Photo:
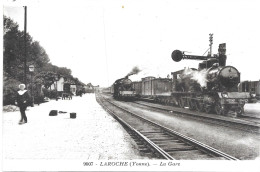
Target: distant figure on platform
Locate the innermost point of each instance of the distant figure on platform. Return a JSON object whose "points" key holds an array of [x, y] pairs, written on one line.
{"points": [[22, 101], [80, 93]]}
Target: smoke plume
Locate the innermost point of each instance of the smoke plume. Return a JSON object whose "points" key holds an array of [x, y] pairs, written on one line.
{"points": [[134, 71], [199, 76]]}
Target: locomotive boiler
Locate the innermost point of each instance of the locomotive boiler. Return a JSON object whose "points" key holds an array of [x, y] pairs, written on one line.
{"points": [[211, 87], [123, 90]]}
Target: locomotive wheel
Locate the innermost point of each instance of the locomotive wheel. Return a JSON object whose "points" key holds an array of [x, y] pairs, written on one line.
{"points": [[218, 109], [208, 108], [199, 106], [239, 111], [226, 109], [192, 105], [181, 103], [163, 102]]}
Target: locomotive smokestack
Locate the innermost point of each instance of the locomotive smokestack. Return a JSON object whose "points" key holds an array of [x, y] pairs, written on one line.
{"points": [[222, 54]]}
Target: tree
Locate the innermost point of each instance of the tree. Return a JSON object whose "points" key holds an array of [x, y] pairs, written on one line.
{"points": [[45, 78], [9, 25], [14, 50], [37, 54], [64, 71], [12, 54], [13, 60], [9, 89]]}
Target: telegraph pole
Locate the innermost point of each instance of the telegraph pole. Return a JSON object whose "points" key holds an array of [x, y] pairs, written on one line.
{"points": [[25, 50], [210, 43]]}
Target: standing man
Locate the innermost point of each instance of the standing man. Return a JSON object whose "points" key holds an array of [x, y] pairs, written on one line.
{"points": [[22, 101]]}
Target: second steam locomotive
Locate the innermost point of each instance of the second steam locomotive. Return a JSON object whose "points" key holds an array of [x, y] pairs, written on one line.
{"points": [[122, 89]]}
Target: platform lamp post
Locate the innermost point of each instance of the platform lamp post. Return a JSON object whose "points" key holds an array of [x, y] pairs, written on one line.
{"points": [[31, 69], [56, 79]]}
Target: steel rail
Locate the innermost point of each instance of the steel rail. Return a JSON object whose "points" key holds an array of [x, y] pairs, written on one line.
{"points": [[161, 152], [188, 139], [251, 124]]}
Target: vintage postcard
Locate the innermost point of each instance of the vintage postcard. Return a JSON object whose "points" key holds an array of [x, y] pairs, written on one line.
{"points": [[125, 85]]}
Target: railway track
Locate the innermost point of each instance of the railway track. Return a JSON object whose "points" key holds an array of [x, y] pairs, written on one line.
{"points": [[157, 141], [250, 119], [243, 123]]}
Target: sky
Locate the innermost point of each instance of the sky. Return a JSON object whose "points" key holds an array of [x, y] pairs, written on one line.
{"points": [[101, 41]]}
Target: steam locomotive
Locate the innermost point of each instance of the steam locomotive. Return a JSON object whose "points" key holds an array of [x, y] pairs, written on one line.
{"points": [[218, 93], [122, 89]]}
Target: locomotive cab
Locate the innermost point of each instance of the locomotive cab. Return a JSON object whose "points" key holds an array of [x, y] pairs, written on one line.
{"points": [[206, 64]]}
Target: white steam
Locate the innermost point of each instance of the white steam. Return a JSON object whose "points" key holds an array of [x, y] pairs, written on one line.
{"points": [[198, 76]]}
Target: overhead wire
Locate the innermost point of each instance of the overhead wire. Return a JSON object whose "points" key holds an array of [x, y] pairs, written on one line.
{"points": [[105, 47]]}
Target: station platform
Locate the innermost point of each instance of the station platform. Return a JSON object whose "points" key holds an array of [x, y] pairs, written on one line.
{"points": [[92, 135]]}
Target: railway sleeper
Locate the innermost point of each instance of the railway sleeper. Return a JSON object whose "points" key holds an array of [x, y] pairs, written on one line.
{"points": [[190, 155], [142, 146], [162, 144], [158, 137], [174, 144], [150, 132], [167, 139], [149, 154], [159, 133], [138, 142], [178, 148], [145, 150]]}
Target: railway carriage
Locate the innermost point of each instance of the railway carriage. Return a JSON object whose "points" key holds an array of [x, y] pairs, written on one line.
{"points": [[137, 86], [250, 86], [153, 87], [112, 89], [157, 89]]}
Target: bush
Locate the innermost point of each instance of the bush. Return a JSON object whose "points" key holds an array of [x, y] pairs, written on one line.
{"points": [[9, 99], [45, 92], [10, 87], [53, 94], [39, 98], [49, 93]]}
